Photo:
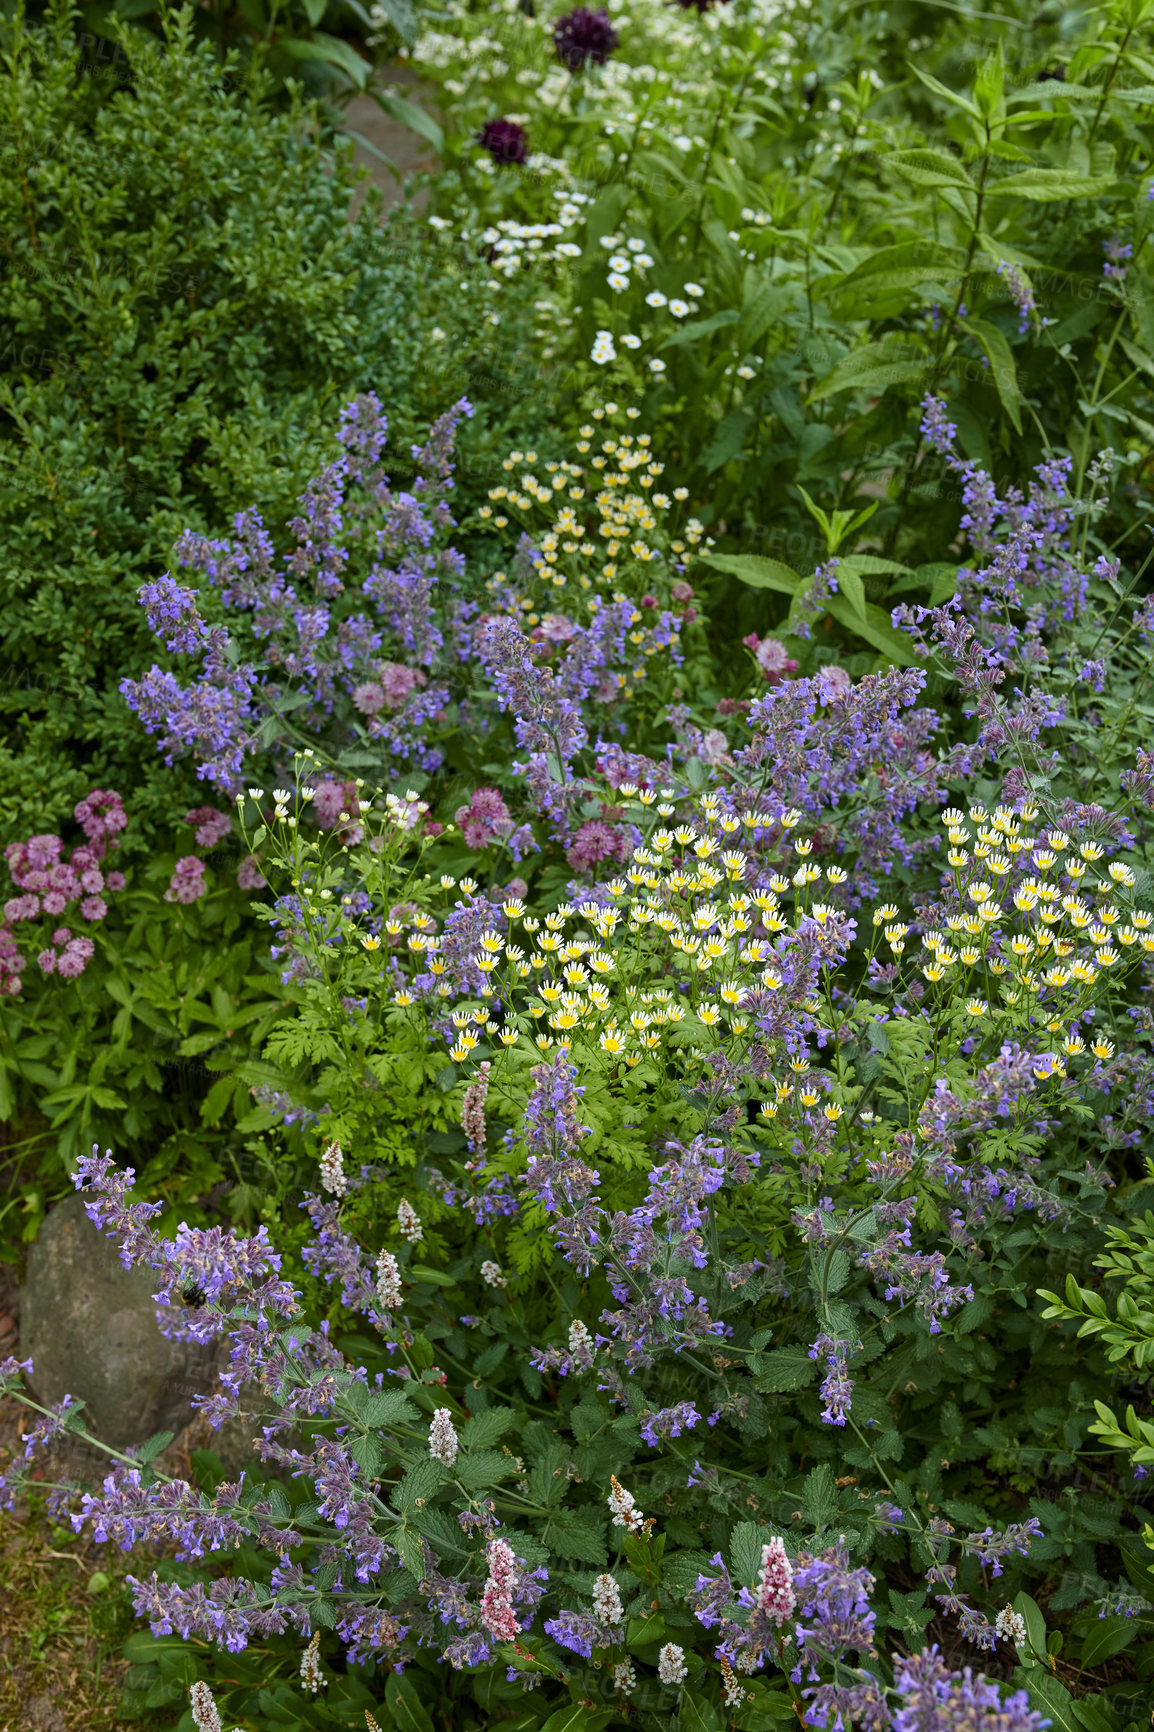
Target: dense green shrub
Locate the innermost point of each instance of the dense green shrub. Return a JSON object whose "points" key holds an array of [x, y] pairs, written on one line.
{"points": [[183, 306]]}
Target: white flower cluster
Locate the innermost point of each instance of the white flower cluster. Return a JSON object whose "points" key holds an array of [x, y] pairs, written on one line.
{"points": [[671, 1667], [443, 1443], [388, 1281], [409, 1222], [607, 1600], [492, 1274], [515, 244], [311, 1679], [1010, 1626], [333, 1171], [622, 1507]]}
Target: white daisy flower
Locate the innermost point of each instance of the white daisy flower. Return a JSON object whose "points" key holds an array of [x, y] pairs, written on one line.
{"points": [[679, 308], [630, 341], [694, 289], [657, 366], [655, 298], [617, 281]]}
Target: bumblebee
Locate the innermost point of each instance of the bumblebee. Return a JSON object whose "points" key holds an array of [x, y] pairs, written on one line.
{"points": [[193, 1296]]}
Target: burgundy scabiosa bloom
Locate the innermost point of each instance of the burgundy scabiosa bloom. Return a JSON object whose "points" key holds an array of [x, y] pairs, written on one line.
{"points": [[504, 140], [583, 35]]}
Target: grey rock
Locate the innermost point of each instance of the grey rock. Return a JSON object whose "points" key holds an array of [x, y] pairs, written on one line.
{"points": [[89, 1327]]}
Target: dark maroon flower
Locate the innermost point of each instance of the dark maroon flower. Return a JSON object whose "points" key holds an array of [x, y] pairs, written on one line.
{"points": [[697, 5], [582, 36], [504, 140]]}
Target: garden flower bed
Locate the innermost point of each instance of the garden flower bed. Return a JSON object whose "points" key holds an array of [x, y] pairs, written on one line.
{"points": [[590, 914]]}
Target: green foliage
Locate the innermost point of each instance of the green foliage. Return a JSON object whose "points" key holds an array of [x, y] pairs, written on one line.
{"points": [[185, 308], [848, 236]]}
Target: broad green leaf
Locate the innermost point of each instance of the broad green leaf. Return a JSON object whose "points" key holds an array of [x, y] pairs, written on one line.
{"points": [[874, 626], [408, 114], [1107, 1637], [1051, 1696], [899, 267], [1001, 359], [783, 1369], [696, 1713], [574, 1717], [646, 1632], [757, 572], [567, 1535], [930, 168], [408, 1711], [333, 52], [1046, 185], [873, 367]]}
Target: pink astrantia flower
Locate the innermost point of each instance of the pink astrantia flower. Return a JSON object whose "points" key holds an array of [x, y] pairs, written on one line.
{"points": [[485, 818], [211, 826], [188, 882], [249, 875]]}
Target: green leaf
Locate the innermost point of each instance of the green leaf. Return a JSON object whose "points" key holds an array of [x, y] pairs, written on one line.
{"points": [[701, 328], [1053, 1698], [435, 1277], [874, 626], [899, 267], [567, 1535], [333, 52], [696, 1713], [745, 1547], [648, 1631], [784, 1368], [1107, 1637], [757, 572], [929, 168], [408, 1711], [873, 367], [1047, 185], [399, 108], [576, 1718], [951, 96], [1001, 360], [155, 1446], [729, 438]]}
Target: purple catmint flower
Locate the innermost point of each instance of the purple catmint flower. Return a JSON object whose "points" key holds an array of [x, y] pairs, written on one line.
{"points": [[935, 1699], [1021, 294], [1117, 251], [505, 140], [172, 612], [583, 36], [670, 1422], [837, 1386]]}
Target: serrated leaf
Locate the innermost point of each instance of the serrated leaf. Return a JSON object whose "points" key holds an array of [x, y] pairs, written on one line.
{"points": [[1045, 185], [745, 1548], [930, 168], [873, 367], [785, 1368], [408, 1711], [567, 1535]]}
